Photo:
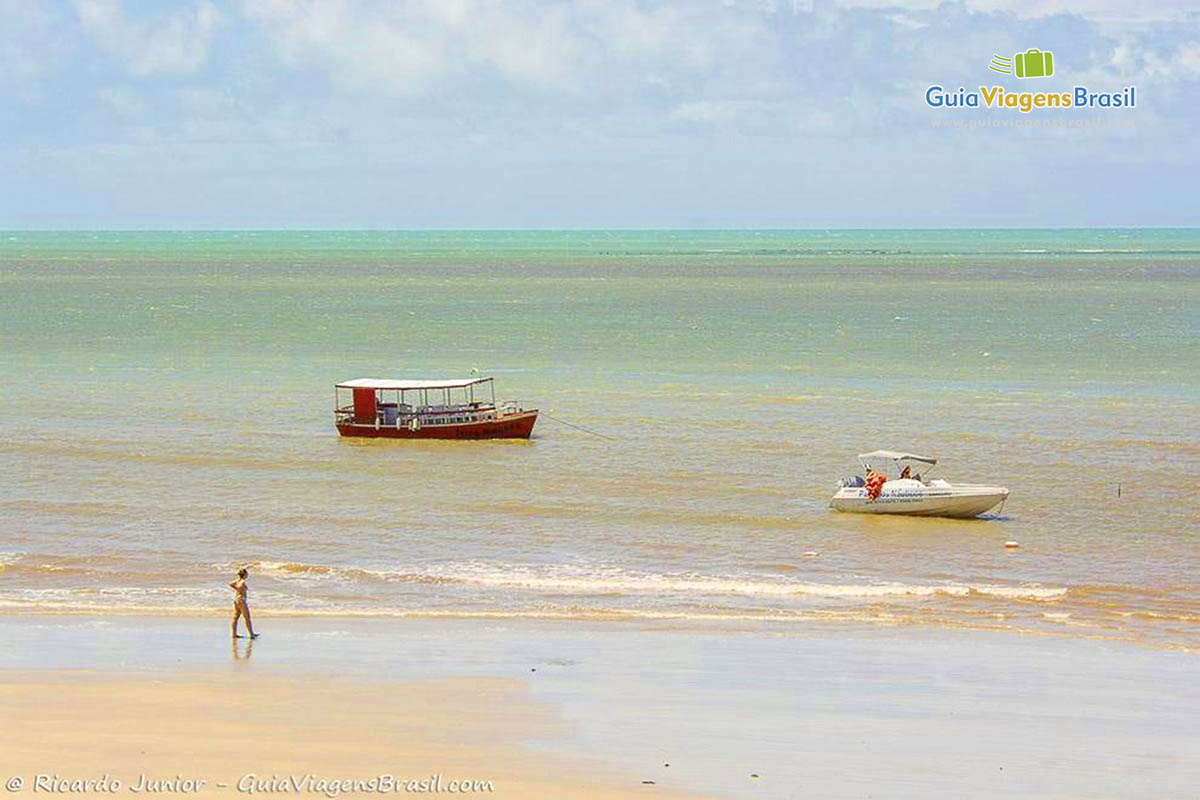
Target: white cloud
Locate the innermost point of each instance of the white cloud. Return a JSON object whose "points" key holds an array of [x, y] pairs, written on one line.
{"points": [[377, 55], [407, 48], [1182, 64], [313, 102], [123, 100], [1094, 10], [178, 43], [29, 49], [1151, 67], [710, 111]]}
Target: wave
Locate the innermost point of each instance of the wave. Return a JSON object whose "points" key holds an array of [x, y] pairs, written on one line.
{"points": [[768, 580], [892, 605], [622, 582], [119, 565], [766, 588], [18, 564], [869, 615], [294, 570], [600, 613], [616, 581]]}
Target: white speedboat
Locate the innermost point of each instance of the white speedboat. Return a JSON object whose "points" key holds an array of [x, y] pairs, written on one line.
{"points": [[893, 483]]}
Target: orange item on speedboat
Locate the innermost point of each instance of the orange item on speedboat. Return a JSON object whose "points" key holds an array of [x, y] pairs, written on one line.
{"points": [[875, 481]]}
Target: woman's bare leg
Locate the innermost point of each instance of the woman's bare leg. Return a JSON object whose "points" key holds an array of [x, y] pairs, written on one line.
{"points": [[237, 613], [249, 624]]}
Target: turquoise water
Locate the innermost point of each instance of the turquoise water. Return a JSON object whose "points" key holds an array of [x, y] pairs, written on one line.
{"points": [[169, 399]]}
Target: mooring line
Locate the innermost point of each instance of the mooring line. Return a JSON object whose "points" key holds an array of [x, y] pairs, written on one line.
{"points": [[580, 427]]}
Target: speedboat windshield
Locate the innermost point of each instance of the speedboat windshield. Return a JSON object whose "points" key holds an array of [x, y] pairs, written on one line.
{"points": [[893, 462]]}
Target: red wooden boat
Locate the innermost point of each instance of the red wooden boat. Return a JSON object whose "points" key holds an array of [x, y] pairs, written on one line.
{"points": [[449, 409]]}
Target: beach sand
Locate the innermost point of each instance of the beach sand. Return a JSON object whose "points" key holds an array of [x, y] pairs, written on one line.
{"points": [[572, 709], [220, 734]]}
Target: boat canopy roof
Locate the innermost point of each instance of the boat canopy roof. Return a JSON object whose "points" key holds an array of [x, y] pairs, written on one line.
{"points": [[893, 455], [405, 385]]}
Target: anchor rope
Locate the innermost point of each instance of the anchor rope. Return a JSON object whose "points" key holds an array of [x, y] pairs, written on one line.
{"points": [[580, 427]]}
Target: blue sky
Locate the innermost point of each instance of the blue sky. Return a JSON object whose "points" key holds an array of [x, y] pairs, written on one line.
{"points": [[583, 113]]}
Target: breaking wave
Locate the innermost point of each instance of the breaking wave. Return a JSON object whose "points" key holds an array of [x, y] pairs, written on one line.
{"points": [[616, 581]]}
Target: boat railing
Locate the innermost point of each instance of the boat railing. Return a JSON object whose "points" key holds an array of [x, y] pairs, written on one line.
{"points": [[391, 416]]}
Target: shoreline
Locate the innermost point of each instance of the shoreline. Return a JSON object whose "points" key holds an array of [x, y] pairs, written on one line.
{"points": [[815, 622], [823, 712]]}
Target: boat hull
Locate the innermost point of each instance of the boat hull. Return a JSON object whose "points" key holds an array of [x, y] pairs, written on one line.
{"points": [[511, 426], [958, 502]]}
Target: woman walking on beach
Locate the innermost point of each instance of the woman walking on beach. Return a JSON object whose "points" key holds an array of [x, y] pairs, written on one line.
{"points": [[241, 603]]}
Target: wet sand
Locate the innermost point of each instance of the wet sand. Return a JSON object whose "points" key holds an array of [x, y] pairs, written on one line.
{"points": [[572, 709]]}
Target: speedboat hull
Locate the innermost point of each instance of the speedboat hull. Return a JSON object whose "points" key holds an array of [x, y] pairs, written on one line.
{"points": [[960, 501]]}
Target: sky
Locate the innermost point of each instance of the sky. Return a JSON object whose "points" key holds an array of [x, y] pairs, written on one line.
{"points": [[132, 114]]}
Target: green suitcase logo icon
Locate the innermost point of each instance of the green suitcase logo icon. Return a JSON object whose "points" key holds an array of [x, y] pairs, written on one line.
{"points": [[1034, 63]]}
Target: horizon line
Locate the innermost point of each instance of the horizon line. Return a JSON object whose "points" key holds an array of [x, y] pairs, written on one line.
{"points": [[629, 229]]}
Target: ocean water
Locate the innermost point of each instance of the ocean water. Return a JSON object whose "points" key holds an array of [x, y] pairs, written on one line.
{"points": [[168, 403]]}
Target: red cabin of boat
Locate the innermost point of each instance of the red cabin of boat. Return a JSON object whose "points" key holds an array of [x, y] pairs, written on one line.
{"points": [[446, 409]]}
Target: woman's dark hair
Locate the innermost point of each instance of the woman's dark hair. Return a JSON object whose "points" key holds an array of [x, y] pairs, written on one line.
{"points": [[242, 572]]}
